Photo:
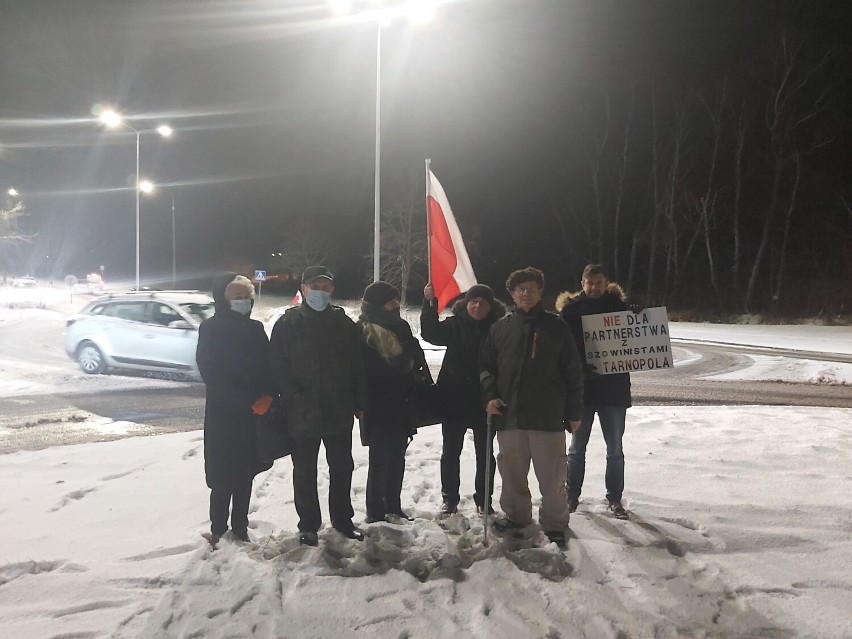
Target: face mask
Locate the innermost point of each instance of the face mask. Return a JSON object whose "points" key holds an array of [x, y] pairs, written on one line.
{"points": [[318, 300], [243, 307]]}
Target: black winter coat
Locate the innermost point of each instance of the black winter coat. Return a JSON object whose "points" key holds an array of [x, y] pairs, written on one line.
{"points": [[390, 385], [319, 370], [531, 363], [458, 381], [233, 358], [601, 390]]}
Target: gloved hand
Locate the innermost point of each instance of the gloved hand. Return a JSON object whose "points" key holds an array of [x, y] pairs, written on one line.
{"points": [[589, 371], [261, 405], [636, 308]]}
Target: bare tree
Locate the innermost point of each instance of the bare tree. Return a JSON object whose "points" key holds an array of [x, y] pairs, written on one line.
{"points": [[741, 125], [10, 230], [790, 106], [304, 244], [621, 181], [675, 170], [403, 240], [791, 205]]}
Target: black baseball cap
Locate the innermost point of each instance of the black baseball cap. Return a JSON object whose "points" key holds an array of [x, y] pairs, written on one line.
{"points": [[315, 272]]}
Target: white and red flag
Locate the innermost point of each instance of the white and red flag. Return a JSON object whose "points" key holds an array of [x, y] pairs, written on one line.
{"points": [[297, 298], [449, 265]]}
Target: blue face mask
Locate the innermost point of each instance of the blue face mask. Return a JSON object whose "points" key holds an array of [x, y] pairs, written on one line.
{"points": [[243, 307], [318, 300]]}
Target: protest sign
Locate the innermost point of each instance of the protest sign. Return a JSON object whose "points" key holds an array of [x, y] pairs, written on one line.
{"points": [[625, 342]]}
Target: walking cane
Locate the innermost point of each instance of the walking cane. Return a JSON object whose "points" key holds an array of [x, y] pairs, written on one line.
{"points": [[486, 498]]}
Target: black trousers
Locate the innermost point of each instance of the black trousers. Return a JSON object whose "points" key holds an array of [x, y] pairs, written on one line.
{"points": [[384, 476], [338, 454], [453, 433], [220, 502]]}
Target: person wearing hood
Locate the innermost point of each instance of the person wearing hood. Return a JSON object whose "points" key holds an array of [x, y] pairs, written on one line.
{"points": [[464, 334], [233, 359], [532, 384], [392, 358], [608, 396], [319, 371]]}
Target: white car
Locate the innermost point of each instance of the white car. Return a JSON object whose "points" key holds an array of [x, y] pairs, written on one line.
{"points": [[148, 331]]}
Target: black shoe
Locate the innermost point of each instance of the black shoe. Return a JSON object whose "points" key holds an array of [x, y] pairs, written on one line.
{"points": [[397, 516], [507, 524], [573, 502], [556, 536], [448, 508], [308, 538], [617, 509], [351, 533], [370, 519], [480, 510], [240, 535]]}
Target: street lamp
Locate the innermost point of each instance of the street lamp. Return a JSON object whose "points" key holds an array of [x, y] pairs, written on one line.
{"points": [[13, 192], [113, 120], [418, 11], [148, 187]]}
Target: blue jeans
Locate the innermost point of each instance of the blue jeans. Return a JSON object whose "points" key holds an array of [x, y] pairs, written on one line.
{"points": [[612, 424]]}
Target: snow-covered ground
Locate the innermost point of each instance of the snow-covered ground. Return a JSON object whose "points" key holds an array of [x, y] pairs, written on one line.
{"points": [[741, 527]]}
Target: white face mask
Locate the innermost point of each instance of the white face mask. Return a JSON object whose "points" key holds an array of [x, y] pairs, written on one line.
{"points": [[318, 300], [243, 307]]}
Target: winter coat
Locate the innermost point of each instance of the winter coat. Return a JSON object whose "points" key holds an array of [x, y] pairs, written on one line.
{"points": [[601, 390], [531, 363], [390, 384], [319, 370], [458, 382], [233, 358]]}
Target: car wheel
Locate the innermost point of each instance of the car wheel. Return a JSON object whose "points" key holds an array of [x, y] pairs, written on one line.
{"points": [[90, 359]]}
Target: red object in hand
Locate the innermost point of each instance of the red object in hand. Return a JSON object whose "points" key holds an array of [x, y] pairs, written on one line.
{"points": [[261, 405]]}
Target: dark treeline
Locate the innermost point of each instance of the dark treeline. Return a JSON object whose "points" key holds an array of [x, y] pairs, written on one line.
{"points": [[729, 193]]}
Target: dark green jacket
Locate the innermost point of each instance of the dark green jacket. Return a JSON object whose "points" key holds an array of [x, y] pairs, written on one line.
{"points": [[319, 370], [530, 362]]}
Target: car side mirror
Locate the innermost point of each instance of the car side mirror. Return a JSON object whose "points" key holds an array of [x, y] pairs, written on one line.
{"points": [[183, 324]]}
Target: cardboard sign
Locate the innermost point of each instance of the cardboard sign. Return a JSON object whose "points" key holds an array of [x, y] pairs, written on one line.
{"points": [[626, 342]]}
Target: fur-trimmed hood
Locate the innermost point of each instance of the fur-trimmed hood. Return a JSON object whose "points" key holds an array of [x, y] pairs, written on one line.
{"points": [[566, 296], [498, 309]]}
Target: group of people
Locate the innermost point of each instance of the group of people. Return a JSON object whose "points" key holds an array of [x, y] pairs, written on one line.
{"points": [[518, 375]]}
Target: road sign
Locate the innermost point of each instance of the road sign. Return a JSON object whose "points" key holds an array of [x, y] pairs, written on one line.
{"points": [[260, 276]]}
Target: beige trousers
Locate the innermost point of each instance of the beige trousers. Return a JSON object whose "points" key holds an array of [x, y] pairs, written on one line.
{"points": [[546, 450]]}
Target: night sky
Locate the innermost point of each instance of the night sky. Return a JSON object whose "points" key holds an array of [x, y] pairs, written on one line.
{"points": [[272, 103]]}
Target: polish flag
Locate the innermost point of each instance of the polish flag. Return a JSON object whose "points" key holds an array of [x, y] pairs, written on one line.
{"points": [[451, 272], [297, 298]]}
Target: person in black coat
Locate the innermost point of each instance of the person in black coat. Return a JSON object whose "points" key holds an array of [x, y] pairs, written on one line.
{"points": [[392, 358], [464, 335], [608, 396], [233, 358]]}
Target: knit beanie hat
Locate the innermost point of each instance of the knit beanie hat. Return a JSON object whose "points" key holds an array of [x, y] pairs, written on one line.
{"points": [[480, 290], [380, 293], [239, 283]]}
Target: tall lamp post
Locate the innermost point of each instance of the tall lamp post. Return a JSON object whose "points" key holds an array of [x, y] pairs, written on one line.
{"points": [[113, 120], [149, 187], [418, 11]]}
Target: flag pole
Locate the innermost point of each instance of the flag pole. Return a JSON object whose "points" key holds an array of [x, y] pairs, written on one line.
{"points": [[428, 225]]}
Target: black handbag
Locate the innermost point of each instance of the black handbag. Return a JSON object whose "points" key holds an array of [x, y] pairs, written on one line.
{"points": [[273, 441], [425, 400]]}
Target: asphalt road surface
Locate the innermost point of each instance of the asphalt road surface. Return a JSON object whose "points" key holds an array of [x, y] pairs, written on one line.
{"points": [[37, 421]]}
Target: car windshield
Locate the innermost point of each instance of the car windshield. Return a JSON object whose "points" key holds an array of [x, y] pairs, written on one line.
{"points": [[198, 311]]}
